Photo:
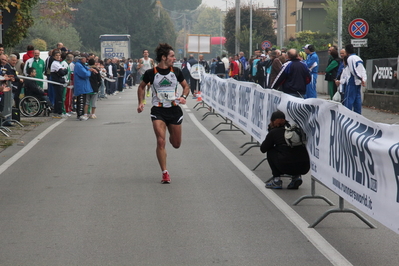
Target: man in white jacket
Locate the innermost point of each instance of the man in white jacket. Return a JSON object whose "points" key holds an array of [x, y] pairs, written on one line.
{"points": [[358, 78]]}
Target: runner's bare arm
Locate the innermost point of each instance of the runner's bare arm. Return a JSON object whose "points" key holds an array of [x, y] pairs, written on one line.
{"points": [[186, 91], [140, 96]]}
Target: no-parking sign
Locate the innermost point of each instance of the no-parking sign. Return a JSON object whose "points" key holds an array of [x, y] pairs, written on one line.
{"points": [[358, 28], [266, 44]]}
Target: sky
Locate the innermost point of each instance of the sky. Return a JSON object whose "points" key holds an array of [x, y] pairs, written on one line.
{"points": [[231, 3]]}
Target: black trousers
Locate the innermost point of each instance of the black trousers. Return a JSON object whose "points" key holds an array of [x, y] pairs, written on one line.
{"points": [[280, 166], [80, 104], [58, 93]]}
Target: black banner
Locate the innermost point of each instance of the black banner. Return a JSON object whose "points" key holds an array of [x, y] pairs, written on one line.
{"points": [[384, 74]]}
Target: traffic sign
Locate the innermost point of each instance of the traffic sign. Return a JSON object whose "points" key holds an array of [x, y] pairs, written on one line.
{"points": [[358, 28], [359, 43], [266, 44], [180, 51]]}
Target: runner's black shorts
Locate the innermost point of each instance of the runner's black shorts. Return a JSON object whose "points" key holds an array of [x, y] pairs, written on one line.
{"points": [[172, 115]]}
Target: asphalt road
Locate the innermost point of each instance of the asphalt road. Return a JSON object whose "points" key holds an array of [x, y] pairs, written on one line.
{"points": [[89, 193]]}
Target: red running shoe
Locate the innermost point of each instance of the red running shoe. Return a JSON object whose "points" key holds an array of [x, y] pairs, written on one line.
{"points": [[165, 178]]}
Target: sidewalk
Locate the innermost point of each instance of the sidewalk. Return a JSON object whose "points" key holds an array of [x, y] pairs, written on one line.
{"points": [[378, 116]]}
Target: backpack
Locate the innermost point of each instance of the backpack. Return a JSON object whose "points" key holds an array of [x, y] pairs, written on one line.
{"points": [[294, 136]]}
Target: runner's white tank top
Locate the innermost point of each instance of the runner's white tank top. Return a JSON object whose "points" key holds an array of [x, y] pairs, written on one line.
{"points": [[145, 66], [164, 89]]}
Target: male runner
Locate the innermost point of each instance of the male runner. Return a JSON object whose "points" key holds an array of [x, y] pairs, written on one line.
{"points": [[166, 112], [145, 63]]}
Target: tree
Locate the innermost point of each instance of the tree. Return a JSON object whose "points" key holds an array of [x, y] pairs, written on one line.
{"points": [[146, 24], [20, 23], [52, 34], [181, 5], [382, 18], [261, 23], [321, 41]]}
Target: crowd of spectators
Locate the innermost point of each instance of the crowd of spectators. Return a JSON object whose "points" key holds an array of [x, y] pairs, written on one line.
{"points": [[80, 79]]}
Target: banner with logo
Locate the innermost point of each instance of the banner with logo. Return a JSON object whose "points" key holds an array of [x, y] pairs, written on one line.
{"points": [[356, 158], [383, 73]]}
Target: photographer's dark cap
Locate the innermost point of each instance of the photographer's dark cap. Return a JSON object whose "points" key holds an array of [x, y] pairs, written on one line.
{"points": [[277, 115]]}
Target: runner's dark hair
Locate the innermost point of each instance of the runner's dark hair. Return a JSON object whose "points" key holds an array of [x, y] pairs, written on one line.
{"points": [[162, 49]]}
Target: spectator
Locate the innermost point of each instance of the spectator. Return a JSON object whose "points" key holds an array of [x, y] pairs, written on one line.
{"points": [[293, 76], [357, 78], [121, 75], [128, 71], [1, 49], [37, 63], [312, 62], [277, 63], [82, 75], [213, 66], [15, 81], [234, 69], [32, 89], [95, 82], [103, 73], [29, 53], [331, 71], [282, 158], [67, 93], [245, 66], [220, 68], [185, 70], [226, 62], [20, 64], [193, 82], [135, 78], [61, 47], [57, 74], [240, 67], [342, 54], [260, 70], [203, 63]]}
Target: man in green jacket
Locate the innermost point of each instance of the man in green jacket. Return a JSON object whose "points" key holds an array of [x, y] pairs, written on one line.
{"points": [[37, 63]]}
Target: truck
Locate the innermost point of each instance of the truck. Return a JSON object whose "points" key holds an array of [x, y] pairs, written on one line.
{"points": [[115, 45]]}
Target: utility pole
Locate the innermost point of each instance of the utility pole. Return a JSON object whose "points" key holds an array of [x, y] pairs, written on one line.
{"points": [[250, 31], [238, 26], [1, 26], [339, 25], [185, 36]]}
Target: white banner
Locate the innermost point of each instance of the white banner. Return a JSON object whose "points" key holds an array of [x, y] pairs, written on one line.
{"points": [[356, 158]]}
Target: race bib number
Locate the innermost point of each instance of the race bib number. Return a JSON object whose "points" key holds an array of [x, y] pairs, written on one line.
{"points": [[166, 95]]}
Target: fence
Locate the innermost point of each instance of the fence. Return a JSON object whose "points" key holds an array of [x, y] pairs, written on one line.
{"points": [[351, 155]]}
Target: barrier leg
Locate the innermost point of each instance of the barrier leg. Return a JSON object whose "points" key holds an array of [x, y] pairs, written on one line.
{"points": [[3, 132], [251, 142], [221, 123], [264, 159], [16, 122], [201, 107], [313, 194], [212, 112], [250, 147], [342, 209], [231, 128]]}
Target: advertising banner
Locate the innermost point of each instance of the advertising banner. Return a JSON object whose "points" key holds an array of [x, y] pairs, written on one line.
{"points": [[356, 158], [383, 73]]}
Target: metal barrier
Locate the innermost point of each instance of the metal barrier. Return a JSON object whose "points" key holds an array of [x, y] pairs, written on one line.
{"points": [[6, 114]]}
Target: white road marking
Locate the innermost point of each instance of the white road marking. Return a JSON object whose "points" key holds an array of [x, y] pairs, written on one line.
{"points": [[311, 234], [29, 146]]}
